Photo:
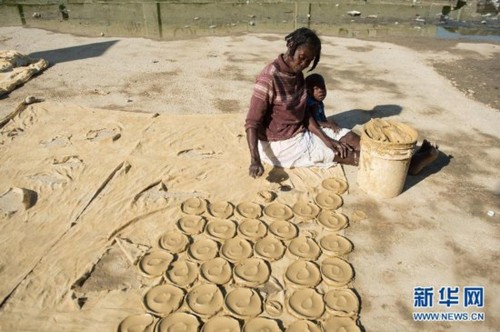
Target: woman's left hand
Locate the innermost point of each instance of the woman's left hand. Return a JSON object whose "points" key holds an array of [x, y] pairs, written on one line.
{"points": [[339, 147]]}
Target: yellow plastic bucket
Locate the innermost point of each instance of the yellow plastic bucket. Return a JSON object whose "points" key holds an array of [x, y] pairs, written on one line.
{"points": [[386, 151]]}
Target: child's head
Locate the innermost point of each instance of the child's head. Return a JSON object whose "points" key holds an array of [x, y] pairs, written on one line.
{"points": [[316, 87]]}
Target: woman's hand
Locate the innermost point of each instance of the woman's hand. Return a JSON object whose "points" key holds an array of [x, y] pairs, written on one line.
{"points": [[256, 169], [339, 147]]}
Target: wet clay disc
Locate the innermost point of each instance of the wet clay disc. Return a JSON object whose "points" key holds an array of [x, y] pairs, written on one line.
{"points": [[182, 272], [305, 210], [336, 271], [342, 302], [174, 242], [236, 249], [194, 205], [191, 225], [338, 186], [217, 271], [261, 324], [278, 211], [205, 300], [340, 324], [220, 209], [304, 247], [138, 323], [251, 272], [284, 230], [269, 248], [163, 299], [303, 326], [306, 303], [155, 263], [335, 244], [332, 220], [328, 200], [252, 229], [221, 324], [202, 250], [179, 321], [221, 229], [303, 273], [243, 303], [249, 210]]}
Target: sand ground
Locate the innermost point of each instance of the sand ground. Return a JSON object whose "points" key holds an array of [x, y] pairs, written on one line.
{"points": [[437, 233]]}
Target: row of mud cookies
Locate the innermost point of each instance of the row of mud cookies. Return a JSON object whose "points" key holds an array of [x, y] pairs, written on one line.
{"points": [[252, 267]]}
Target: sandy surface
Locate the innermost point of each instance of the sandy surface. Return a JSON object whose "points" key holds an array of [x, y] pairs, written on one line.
{"points": [[106, 184]]}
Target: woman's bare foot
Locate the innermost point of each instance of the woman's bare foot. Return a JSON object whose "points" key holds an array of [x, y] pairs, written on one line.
{"points": [[423, 157]]}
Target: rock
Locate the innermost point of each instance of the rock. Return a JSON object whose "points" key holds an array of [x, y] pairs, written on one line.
{"points": [[353, 13]]}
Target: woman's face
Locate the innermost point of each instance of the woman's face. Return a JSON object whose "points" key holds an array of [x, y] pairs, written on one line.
{"points": [[304, 55]]}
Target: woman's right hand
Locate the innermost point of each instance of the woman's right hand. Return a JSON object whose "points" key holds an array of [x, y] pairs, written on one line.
{"points": [[256, 169], [339, 148]]}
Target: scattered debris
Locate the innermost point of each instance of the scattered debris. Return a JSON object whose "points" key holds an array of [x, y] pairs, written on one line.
{"points": [[353, 13]]}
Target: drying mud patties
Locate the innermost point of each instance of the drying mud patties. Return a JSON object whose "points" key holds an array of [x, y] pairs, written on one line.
{"points": [[303, 326], [205, 300], [236, 249], [342, 302], [340, 324], [335, 185], [249, 210], [251, 272], [221, 324], [154, 263], [163, 299], [306, 303], [202, 250], [302, 273], [328, 200], [220, 209], [191, 225], [270, 248], [194, 206], [306, 211], [336, 271], [174, 242], [278, 211], [217, 271], [179, 321], [332, 220], [221, 230], [243, 303], [304, 247], [142, 323], [182, 272], [336, 245], [261, 324], [284, 230], [252, 229]]}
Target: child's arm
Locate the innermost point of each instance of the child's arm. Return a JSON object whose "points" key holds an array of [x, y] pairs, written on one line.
{"points": [[330, 124]]}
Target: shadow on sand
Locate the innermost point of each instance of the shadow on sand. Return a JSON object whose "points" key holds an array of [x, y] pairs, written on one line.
{"points": [[442, 161], [74, 53], [351, 118]]}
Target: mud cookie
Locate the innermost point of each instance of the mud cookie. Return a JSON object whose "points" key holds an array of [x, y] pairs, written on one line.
{"points": [[252, 229], [261, 324], [303, 273], [182, 272], [155, 263], [332, 220], [306, 303], [251, 272], [243, 303], [194, 206], [179, 321], [328, 200], [249, 210], [220, 209], [283, 230], [217, 271], [163, 299], [340, 324], [221, 324], [236, 249], [305, 210], [336, 271], [191, 225], [303, 326], [205, 300], [278, 211], [304, 247], [269, 248], [174, 242], [338, 186], [203, 250], [342, 302], [334, 244], [221, 229], [138, 323]]}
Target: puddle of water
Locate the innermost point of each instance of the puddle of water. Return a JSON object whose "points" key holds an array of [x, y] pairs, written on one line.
{"points": [[180, 20]]}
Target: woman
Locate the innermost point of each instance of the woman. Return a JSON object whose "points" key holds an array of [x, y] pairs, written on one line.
{"points": [[279, 130]]}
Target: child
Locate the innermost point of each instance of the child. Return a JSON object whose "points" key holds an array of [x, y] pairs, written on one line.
{"points": [[316, 93]]}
